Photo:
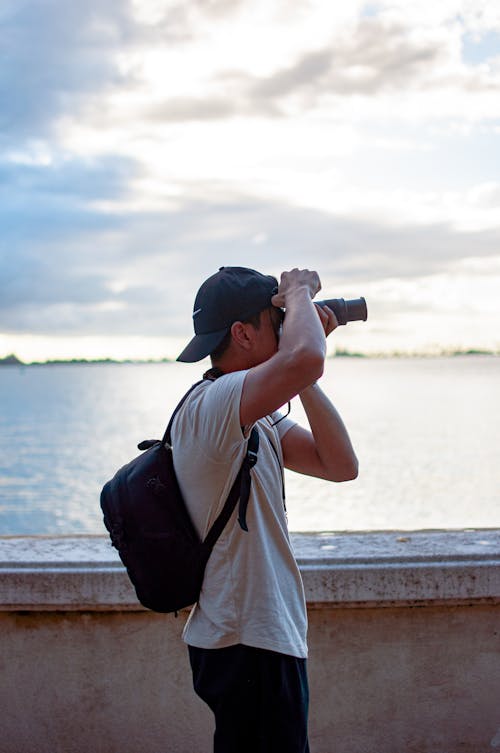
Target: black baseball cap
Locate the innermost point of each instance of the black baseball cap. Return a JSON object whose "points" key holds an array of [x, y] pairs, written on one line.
{"points": [[230, 295]]}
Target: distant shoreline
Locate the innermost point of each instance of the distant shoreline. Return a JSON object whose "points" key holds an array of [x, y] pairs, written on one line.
{"points": [[13, 360]]}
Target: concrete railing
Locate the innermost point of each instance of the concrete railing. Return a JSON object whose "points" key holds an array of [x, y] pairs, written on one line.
{"points": [[404, 637]]}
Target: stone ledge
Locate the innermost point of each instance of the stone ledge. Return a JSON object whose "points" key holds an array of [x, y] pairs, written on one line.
{"points": [[372, 569]]}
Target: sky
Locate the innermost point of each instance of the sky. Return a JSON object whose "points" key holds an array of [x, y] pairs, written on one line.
{"points": [[146, 143]]}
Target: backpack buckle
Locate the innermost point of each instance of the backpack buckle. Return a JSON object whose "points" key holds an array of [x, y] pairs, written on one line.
{"points": [[251, 458]]}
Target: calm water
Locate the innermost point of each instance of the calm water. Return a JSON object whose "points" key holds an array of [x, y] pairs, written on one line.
{"points": [[426, 432]]}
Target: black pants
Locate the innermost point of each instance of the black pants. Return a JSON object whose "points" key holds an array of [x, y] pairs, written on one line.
{"points": [[259, 698]]}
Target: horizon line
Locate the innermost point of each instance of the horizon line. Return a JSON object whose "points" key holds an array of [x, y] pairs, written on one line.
{"points": [[13, 360]]}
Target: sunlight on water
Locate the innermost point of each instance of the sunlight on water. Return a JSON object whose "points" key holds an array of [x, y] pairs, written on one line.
{"points": [[426, 433]]}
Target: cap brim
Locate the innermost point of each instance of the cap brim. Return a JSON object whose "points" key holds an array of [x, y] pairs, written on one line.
{"points": [[201, 346]]}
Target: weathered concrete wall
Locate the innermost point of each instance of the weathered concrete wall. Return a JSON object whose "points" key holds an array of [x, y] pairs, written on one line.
{"points": [[405, 680], [404, 649], [97, 682], [418, 680]]}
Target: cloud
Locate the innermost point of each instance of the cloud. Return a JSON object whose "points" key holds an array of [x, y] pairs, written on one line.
{"points": [[361, 66], [137, 273], [374, 57], [371, 58], [53, 55], [61, 58], [183, 109], [113, 212], [379, 57], [43, 203], [77, 179], [55, 246]]}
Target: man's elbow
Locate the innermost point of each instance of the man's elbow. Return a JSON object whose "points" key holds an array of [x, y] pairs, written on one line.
{"points": [[348, 471], [352, 472], [311, 362]]}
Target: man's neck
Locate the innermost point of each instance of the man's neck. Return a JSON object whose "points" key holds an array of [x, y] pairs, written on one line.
{"points": [[229, 363]]}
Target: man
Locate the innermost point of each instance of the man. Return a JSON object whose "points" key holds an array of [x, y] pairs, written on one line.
{"points": [[247, 634]]}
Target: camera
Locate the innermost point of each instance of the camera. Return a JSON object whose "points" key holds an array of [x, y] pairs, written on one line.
{"points": [[354, 310]]}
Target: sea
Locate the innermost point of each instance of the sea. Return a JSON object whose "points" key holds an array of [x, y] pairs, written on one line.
{"points": [[426, 432]]}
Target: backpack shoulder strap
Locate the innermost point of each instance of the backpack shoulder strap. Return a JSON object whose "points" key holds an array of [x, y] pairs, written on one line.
{"points": [[246, 480], [240, 489], [211, 375], [167, 438]]}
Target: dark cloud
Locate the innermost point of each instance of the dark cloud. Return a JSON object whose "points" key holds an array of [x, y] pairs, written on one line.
{"points": [[183, 109], [41, 204], [217, 8], [71, 179], [53, 247], [310, 69], [374, 58], [58, 57], [53, 55]]}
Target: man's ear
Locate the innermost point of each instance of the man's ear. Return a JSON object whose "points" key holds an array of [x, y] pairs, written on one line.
{"points": [[242, 335]]}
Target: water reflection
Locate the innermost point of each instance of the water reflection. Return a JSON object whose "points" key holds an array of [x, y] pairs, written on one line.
{"points": [[425, 432]]}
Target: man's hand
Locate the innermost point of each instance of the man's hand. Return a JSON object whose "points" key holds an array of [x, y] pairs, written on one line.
{"points": [[293, 280], [327, 319]]}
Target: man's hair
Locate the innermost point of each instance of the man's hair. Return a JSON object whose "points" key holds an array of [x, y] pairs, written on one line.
{"points": [[224, 345]]}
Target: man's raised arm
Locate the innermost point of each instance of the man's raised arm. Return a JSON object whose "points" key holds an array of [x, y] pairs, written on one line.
{"points": [[299, 358]]}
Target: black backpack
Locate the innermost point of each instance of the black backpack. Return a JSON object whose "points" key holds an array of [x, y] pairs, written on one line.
{"points": [[150, 526]]}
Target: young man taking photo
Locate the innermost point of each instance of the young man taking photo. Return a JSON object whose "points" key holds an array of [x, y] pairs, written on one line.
{"points": [[247, 633]]}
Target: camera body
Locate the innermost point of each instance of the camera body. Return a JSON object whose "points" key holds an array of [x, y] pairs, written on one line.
{"points": [[354, 310]]}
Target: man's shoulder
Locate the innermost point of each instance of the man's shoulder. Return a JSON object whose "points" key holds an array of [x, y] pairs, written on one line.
{"points": [[211, 414], [226, 387]]}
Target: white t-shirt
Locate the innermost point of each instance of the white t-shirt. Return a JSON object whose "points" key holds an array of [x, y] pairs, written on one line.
{"points": [[252, 591]]}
